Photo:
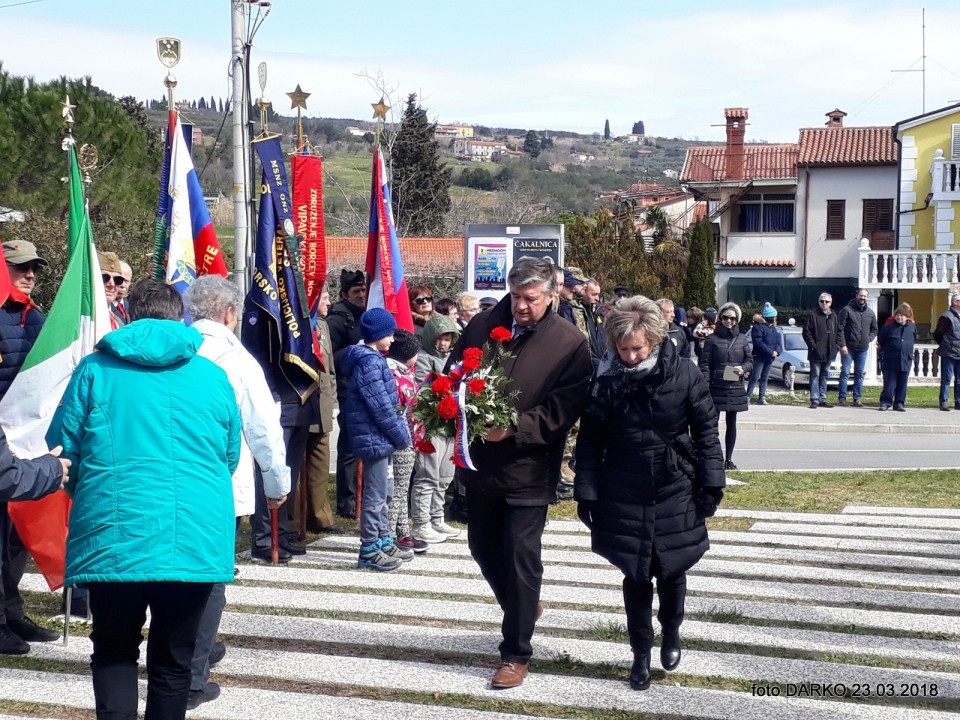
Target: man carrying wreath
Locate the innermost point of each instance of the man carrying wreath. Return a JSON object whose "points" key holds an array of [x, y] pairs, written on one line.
{"points": [[518, 466]]}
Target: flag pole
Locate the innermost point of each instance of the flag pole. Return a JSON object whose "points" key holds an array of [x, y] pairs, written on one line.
{"points": [[68, 144]]}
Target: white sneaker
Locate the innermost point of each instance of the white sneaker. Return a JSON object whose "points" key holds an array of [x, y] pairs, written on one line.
{"points": [[444, 529], [428, 534]]}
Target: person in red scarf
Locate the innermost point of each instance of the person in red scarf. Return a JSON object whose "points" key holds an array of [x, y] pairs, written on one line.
{"points": [[20, 323]]}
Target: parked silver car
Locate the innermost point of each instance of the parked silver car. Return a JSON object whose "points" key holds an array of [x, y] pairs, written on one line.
{"points": [[791, 367]]}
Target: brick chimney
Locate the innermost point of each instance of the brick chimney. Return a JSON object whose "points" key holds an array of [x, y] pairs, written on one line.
{"points": [[736, 127], [835, 118]]}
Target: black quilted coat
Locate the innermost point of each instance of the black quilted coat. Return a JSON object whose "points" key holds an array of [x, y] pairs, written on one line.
{"points": [[641, 498], [724, 348]]}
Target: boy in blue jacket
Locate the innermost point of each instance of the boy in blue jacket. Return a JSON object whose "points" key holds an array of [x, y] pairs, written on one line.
{"points": [[376, 431]]}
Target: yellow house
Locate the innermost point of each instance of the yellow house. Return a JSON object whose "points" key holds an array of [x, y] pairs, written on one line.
{"points": [[923, 270]]}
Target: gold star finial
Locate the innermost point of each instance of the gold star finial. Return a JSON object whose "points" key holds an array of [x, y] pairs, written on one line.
{"points": [[66, 110], [298, 98], [380, 109]]}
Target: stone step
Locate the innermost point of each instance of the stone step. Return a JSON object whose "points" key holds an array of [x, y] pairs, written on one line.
{"points": [[850, 531], [879, 545], [454, 642], [236, 703], [936, 521], [900, 511]]}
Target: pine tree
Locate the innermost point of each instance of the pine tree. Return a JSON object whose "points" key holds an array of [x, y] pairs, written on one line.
{"points": [[638, 127], [531, 144], [420, 183], [606, 130], [700, 288]]}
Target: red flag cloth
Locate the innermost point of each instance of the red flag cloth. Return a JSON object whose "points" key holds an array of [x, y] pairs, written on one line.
{"points": [[307, 171], [42, 525], [387, 285]]}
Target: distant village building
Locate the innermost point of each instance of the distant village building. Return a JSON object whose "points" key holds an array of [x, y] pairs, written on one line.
{"points": [[478, 150], [672, 174], [355, 131], [582, 156], [453, 131]]}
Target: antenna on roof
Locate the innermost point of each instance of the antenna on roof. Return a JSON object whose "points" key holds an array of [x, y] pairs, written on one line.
{"points": [[923, 62]]}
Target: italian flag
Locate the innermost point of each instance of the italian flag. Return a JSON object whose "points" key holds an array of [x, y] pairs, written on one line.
{"points": [[78, 318]]}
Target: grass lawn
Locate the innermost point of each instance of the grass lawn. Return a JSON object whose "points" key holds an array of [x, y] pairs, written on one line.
{"points": [[917, 396]]}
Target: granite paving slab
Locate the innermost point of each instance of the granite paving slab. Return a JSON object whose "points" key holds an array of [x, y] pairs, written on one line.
{"points": [[878, 545], [237, 703], [851, 531], [474, 643], [901, 511], [939, 522]]}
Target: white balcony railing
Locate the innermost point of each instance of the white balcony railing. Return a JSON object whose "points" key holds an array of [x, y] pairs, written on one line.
{"points": [[946, 178], [915, 269]]}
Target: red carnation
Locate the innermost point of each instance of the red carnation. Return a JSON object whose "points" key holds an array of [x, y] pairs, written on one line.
{"points": [[501, 334], [425, 446], [441, 386], [470, 364], [447, 408], [473, 353], [456, 374], [477, 385]]}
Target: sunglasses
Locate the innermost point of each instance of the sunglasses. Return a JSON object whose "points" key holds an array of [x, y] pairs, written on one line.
{"points": [[27, 267], [424, 300], [825, 302], [117, 279], [729, 317]]}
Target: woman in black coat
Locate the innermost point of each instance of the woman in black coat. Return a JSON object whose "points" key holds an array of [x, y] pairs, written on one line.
{"points": [[642, 489], [727, 348], [896, 340]]}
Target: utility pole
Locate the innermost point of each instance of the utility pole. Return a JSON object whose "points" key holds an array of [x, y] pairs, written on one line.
{"points": [[239, 104]]}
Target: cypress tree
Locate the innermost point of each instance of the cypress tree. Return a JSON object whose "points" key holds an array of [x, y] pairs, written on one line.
{"points": [[700, 289], [420, 183], [606, 130]]}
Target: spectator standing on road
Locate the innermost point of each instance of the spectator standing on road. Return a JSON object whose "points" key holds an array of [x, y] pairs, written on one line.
{"points": [[677, 334], [643, 501], [896, 340], [704, 328], [858, 327], [766, 348], [467, 306], [724, 362], [821, 333], [947, 335]]}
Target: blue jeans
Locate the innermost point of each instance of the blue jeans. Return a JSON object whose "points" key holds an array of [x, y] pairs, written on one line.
{"points": [[894, 386], [818, 381], [760, 373], [949, 373], [857, 358], [376, 496]]}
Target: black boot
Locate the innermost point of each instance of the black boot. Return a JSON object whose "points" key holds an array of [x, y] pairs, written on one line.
{"points": [[640, 672], [670, 649]]}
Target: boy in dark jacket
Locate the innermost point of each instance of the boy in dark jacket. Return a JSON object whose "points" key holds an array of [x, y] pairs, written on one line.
{"points": [[376, 432], [766, 348]]}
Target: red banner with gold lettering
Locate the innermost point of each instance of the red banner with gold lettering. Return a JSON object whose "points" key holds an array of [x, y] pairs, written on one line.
{"points": [[307, 171]]}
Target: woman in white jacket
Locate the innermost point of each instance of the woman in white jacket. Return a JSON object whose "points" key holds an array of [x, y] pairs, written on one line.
{"points": [[214, 305]]}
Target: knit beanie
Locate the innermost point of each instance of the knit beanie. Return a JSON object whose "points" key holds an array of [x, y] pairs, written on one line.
{"points": [[731, 306], [769, 311], [376, 324], [350, 279], [405, 345]]}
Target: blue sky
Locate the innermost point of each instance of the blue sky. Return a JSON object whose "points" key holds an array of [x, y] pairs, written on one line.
{"points": [[527, 63]]}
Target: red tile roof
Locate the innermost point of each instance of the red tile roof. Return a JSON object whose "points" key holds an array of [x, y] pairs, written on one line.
{"points": [[760, 162], [847, 146], [421, 256], [758, 263]]}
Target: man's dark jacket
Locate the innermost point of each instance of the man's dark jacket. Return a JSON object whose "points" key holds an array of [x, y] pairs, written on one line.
{"points": [[343, 319], [19, 326], [821, 332], [551, 369], [858, 326]]}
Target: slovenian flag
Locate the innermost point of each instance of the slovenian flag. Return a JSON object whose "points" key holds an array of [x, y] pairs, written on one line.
{"points": [[388, 288], [187, 244], [78, 318]]}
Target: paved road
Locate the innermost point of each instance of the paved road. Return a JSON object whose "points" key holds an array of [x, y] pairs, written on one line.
{"points": [[803, 450]]}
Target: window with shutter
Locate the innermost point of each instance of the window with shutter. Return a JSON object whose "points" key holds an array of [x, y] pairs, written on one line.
{"points": [[877, 216], [955, 141], [836, 217]]}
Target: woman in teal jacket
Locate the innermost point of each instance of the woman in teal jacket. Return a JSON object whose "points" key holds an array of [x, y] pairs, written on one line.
{"points": [[153, 432]]}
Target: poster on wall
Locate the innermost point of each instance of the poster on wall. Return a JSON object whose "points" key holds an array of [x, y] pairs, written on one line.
{"points": [[491, 250], [490, 266]]}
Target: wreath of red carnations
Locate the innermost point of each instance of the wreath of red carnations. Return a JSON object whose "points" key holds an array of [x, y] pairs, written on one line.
{"points": [[468, 400]]}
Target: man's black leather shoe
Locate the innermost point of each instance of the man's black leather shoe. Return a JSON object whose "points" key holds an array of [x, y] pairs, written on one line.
{"points": [[670, 649], [263, 553], [11, 643], [294, 548], [199, 697], [28, 631], [640, 672]]}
